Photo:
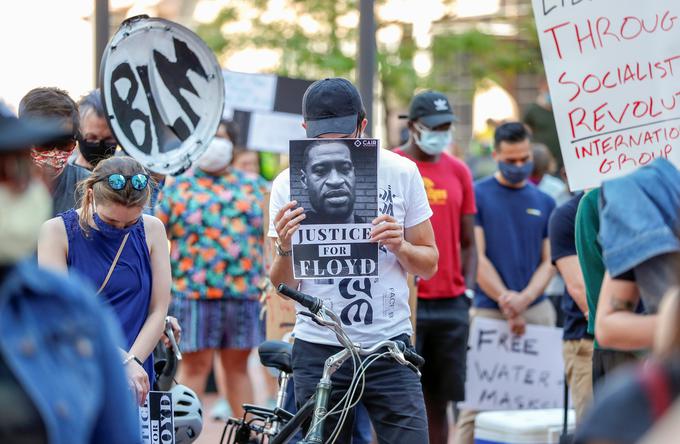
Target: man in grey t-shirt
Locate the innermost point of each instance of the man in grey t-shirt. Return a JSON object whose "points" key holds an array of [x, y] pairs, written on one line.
{"points": [[52, 157]]}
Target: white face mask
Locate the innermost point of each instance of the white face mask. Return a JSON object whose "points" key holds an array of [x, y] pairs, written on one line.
{"points": [[217, 157], [432, 142], [21, 217]]}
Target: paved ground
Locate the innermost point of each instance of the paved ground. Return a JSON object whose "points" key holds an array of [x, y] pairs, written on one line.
{"points": [[212, 430]]}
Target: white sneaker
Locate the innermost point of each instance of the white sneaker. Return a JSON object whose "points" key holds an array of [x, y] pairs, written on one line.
{"points": [[221, 411]]}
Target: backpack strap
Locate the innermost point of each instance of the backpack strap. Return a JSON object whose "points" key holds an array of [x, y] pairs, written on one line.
{"points": [[656, 385]]}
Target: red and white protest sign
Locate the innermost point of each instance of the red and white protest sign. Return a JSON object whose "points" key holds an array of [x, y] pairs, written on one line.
{"points": [[613, 68]]}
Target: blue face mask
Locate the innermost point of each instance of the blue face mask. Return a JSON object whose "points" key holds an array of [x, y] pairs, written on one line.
{"points": [[109, 230], [432, 142], [515, 174]]}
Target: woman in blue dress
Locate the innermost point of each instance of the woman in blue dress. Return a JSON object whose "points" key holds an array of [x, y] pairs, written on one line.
{"points": [[123, 253]]}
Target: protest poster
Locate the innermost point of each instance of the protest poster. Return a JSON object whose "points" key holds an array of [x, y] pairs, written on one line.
{"points": [[162, 93], [156, 419], [508, 372], [336, 182], [266, 108], [612, 69]]}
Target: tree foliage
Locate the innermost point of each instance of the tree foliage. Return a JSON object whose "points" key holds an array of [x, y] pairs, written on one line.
{"points": [[319, 38]]}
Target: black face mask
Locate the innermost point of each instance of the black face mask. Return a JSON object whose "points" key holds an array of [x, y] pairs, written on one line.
{"points": [[95, 152]]}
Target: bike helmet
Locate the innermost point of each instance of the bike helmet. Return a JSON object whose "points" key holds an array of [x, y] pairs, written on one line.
{"points": [[187, 413]]}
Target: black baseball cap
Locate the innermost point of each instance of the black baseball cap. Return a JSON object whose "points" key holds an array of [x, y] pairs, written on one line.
{"points": [[431, 108], [331, 106], [17, 134]]}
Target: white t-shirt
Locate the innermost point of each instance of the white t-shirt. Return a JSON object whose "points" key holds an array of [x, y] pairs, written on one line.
{"points": [[371, 310]]}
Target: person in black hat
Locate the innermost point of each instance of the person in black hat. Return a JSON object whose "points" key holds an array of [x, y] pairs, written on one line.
{"points": [[374, 310], [60, 373], [442, 321]]}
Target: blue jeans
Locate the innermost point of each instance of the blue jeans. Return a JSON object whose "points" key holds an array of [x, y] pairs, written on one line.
{"points": [[639, 229], [393, 395], [640, 217]]}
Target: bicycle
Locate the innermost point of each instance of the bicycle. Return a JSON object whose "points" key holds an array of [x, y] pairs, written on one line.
{"points": [[278, 426]]}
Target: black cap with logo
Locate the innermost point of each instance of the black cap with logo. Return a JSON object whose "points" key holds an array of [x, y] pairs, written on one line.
{"points": [[431, 108], [331, 106]]}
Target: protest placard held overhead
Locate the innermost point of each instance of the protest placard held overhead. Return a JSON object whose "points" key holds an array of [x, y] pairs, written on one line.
{"points": [[612, 68]]}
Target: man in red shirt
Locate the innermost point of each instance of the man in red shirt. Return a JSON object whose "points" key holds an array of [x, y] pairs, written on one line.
{"points": [[442, 321]]}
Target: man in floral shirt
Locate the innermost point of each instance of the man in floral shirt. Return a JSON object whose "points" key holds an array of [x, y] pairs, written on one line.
{"points": [[213, 215]]}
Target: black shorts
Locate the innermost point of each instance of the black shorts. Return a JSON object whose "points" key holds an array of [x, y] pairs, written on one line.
{"points": [[442, 327]]}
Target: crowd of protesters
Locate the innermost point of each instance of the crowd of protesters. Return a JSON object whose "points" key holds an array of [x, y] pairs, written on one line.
{"points": [[515, 246]]}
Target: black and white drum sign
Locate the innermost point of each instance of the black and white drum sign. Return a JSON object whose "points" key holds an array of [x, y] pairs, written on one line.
{"points": [[163, 93]]}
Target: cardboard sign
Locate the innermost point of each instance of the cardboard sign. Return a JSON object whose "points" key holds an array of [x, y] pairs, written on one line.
{"points": [[508, 372], [156, 419], [613, 69], [336, 182]]}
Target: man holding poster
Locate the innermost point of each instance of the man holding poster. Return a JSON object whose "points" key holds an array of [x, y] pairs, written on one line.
{"points": [[370, 309]]}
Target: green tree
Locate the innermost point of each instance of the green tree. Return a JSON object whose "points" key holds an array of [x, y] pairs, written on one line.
{"points": [[320, 38]]}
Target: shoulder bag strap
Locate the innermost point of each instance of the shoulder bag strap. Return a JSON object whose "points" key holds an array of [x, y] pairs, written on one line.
{"points": [[113, 264]]}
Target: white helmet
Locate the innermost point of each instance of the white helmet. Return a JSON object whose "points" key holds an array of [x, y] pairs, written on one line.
{"points": [[187, 413]]}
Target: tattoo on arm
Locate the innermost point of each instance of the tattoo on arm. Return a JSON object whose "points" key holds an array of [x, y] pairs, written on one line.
{"points": [[622, 305]]}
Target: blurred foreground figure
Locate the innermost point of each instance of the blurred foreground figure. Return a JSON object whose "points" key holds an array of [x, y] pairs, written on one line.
{"points": [[632, 400], [61, 379]]}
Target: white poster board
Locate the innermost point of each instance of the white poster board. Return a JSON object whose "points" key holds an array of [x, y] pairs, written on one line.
{"points": [[156, 419], [288, 127], [613, 69], [248, 92], [508, 372]]}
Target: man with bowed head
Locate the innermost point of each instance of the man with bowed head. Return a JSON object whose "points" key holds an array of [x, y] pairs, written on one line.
{"points": [[443, 301], [511, 234], [332, 108]]}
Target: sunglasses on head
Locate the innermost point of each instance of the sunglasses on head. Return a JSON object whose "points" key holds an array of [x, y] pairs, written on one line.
{"points": [[118, 181]]}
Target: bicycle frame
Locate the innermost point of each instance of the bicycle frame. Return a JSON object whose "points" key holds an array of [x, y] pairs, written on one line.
{"points": [[317, 405]]}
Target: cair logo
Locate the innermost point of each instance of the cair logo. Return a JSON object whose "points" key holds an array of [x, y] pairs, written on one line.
{"points": [[366, 143], [434, 195]]}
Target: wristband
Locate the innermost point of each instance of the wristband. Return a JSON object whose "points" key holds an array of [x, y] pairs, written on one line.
{"points": [[132, 357], [280, 251]]}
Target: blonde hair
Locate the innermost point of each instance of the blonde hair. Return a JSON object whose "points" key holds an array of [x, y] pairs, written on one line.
{"points": [[103, 193]]}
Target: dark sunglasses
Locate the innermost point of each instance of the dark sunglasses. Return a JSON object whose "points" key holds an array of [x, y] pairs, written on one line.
{"points": [[118, 181], [65, 143]]}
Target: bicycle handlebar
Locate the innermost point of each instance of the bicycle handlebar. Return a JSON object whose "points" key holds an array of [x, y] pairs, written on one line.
{"points": [[319, 312], [411, 356], [309, 302]]}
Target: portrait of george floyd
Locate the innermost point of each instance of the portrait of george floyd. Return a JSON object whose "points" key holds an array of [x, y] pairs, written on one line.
{"points": [[335, 181]]}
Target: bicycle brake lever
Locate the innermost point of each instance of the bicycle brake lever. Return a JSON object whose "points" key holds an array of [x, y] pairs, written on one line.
{"points": [[314, 318]]}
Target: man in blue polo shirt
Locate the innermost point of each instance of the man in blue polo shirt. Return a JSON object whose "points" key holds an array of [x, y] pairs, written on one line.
{"points": [[511, 233]]}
